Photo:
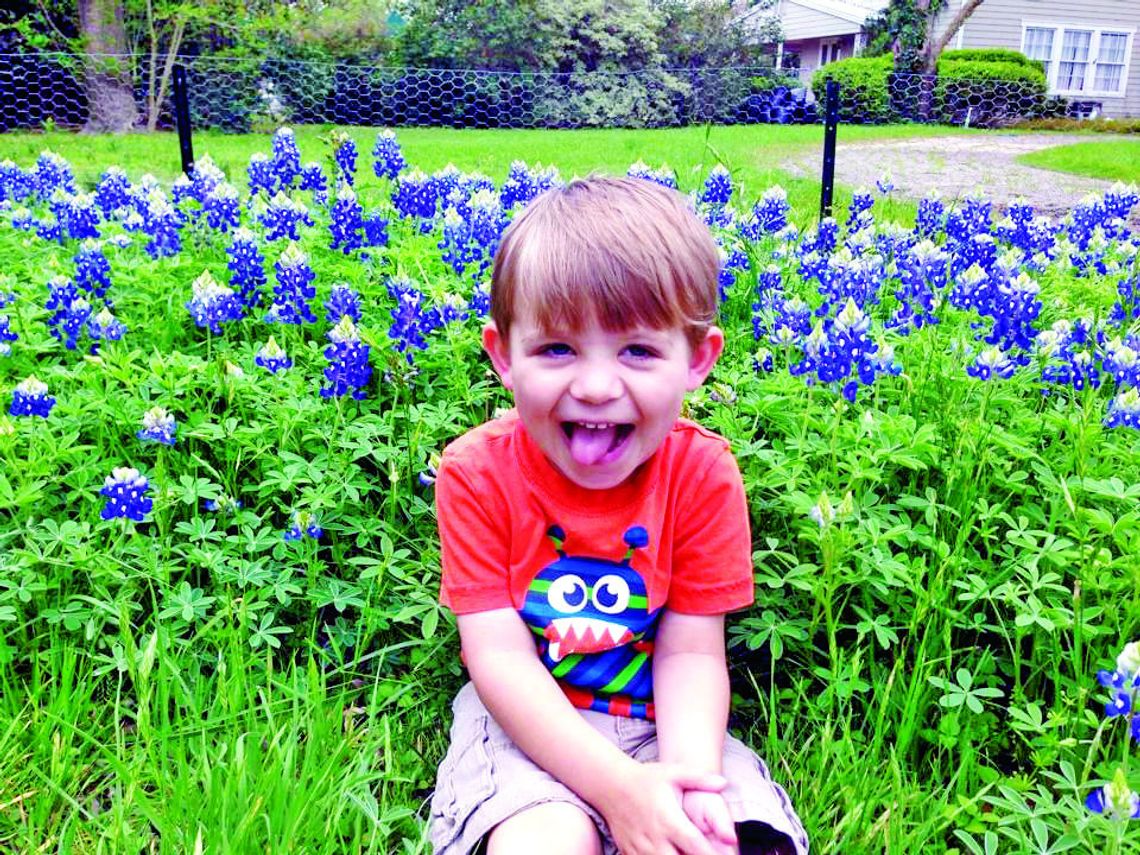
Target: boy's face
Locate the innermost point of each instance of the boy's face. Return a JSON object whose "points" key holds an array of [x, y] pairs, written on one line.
{"points": [[599, 403]]}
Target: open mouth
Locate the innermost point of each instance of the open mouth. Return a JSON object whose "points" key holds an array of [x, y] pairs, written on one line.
{"points": [[584, 635], [596, 442]]}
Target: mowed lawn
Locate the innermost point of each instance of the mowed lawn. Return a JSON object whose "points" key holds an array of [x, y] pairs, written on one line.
{"points": [[1114, 160]]}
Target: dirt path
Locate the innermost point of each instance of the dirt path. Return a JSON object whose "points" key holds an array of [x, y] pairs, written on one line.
{"points": [[958, 165]]}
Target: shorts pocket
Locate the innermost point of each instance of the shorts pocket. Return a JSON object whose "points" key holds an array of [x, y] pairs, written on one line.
{"points": [[465, 780]]}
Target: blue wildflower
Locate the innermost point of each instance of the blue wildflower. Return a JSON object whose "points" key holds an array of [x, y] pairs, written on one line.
{"points": [[6, 335], [769, 215], [375, 229], [346, 221], [885, 184], [247, 267], [222, 209], [272, 358], [349, 370], [286, 158], [412, 321], [213, 304], [414, 195], [991, 363], [104, 326], [51, 173], [663, 176], [161, 222], [70, 312], [224, 504], [31, 398], [1115, 800], [261, 175], [81, 216], [205, 178], [294, 289], [345, 159], [304, 524], [523, 185], [283, 217], [92, 270], [931, 216], [718, 187], [1124, 410], [342, 302], [125, 490], [313, 180], [15, 184], [158, 426], [388, 160]]}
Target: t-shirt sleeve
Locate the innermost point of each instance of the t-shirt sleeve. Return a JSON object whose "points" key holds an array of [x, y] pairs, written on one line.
{"points": [[473, 540], [712, 553]]}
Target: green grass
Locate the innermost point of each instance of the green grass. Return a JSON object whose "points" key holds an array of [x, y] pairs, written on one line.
{"points": [[1114, 160], [752, 152]]}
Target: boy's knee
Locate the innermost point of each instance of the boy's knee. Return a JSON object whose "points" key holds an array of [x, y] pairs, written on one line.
{"points": [[552, 828]]}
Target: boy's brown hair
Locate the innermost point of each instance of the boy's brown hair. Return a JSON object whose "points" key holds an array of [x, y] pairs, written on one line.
{"points": [[623, 251]]}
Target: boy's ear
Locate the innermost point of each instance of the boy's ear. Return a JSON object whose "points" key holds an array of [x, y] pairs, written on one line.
{"points": [[498, 348], [704, 357]]}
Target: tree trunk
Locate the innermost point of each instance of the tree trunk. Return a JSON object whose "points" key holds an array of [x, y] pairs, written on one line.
{"points": [[933, 47], [110, 93]]}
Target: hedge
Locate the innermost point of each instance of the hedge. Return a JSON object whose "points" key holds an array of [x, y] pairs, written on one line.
{"points": [[863, 87], [988, 94]]}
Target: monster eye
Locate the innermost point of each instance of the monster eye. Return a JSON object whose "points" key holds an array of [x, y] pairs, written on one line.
{"points": [[567, 594], [611, 595]]}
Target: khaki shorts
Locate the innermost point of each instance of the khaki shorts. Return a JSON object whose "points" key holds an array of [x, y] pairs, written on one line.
{"points": [[485, 779]]}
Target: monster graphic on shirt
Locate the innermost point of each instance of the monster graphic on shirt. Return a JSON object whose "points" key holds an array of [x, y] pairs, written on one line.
{"points": [[594, 629]]}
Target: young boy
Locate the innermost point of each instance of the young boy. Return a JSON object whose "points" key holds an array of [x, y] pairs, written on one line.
{"points": [[592, 543]]}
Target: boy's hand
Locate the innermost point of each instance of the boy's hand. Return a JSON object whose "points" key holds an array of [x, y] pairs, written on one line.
{"points": [[647, 817], [710, 815]]}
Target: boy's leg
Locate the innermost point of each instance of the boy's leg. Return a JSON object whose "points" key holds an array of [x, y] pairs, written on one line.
{"points": [[553, 828]]}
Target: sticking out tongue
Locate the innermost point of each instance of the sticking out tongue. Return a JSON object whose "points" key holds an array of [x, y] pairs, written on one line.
{"points": [[588, 446]]}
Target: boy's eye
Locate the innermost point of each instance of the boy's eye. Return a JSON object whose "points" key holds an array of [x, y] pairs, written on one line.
{"points": [[640, 351], [556, 349]]}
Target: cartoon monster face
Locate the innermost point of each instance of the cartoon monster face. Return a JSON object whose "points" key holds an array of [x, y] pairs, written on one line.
{"points": [[589, 605]]}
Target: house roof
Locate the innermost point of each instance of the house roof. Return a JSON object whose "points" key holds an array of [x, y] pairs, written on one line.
{"points": [[855, 11], [835, 16]]}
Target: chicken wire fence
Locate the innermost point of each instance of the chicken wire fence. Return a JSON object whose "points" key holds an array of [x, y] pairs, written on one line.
{"points": [[241, 95]]}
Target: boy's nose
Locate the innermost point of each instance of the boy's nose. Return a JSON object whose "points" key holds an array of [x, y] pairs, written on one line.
{"points": [[595, 384]]}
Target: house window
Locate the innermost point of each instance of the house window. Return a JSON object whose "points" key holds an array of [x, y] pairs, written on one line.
{"points": [[830, 50], [1078, 60]]}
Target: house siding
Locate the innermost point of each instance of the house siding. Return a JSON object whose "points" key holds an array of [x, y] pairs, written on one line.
{"points": [[800, 22], [1000, 23]]}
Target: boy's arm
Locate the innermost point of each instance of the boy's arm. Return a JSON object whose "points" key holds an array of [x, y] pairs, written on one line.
{"points": [[691, 697], [641, 802]]}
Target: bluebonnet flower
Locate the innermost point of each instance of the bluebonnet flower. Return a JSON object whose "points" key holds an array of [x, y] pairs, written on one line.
{"points": [[70, 312], [718, 187], [1115, 800], [346, 221], [923, 273], [23, 220], [1121, 359], [272, 358], [104, 326], [345, 159], [523, 185], [283, 217], [261, 175], [412, 321], [81, 216], [222, 209], [212, 304], [92, 270], [182, 189], [769, 215], [663, 176], [452, 309], [224, 504], [294, 289], [414, 195], [158, 426], [349, 370], [247, 267], [731, 261], [304, 524], [1124, 410], [972, 219], [885, 184], [859, 214], [31, 398], [205, 178], [286, 158], [471, 233], [931, 216], [51, 173], [428, 476], [388, 160], [762, 362], [15, 184], [313, 180], [342, 302], [126, 492], [161, 222], [839, 347], [991, 363], [375, 229], [480, 302], [1065, 362], [6, 336], [49, 228]]}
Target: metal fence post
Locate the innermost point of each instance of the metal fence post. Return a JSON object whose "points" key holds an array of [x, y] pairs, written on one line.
{"points": [[182, 118], [830, 131]]}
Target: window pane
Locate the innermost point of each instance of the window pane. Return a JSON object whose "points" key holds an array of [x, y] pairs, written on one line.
{"points": [[1071, 76], [1038, 43], [1112, 47], [1108, 78], [1075, 46]]}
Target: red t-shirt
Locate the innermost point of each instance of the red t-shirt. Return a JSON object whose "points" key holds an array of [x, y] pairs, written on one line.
{"points": [[590, 570]]}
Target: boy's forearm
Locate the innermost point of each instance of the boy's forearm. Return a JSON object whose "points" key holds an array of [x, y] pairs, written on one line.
{"points": [[536, 715], [691, 691]]}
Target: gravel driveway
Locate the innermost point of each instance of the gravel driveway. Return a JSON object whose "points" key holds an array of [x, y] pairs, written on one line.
{"points": [[959, 165]]}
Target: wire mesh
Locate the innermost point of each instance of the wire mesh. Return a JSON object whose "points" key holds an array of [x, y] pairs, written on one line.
{"points": [[256, 94]]}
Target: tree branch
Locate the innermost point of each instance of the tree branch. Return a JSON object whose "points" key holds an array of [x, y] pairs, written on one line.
{"points": [[938, 45]]}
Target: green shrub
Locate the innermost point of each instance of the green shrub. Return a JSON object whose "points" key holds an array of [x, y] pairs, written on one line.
{"points": [[988, 94], [990, 55], [863, 89]]}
